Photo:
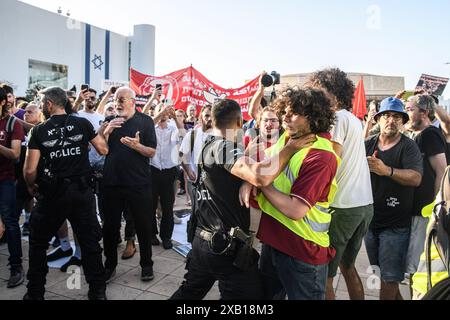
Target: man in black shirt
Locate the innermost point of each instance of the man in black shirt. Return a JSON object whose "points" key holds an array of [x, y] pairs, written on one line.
{"points": [[433, 146], [395, 164], [216, 254], [63, 191], [127, 180]]}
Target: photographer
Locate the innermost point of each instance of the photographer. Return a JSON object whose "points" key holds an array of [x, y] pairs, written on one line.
{"points": [[221, 248], [63, 191]]}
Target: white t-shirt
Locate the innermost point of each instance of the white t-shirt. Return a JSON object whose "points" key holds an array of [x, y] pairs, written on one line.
{"points": [[185, 148], [353, 175], [96, 120]]}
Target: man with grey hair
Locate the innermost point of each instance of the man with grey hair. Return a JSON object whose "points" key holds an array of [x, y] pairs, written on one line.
{"points": [[63, 191], [432, 144], [127, 180]]}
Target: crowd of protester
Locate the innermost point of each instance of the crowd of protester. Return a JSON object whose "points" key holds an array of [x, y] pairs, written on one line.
{"points": [[278, 206]]}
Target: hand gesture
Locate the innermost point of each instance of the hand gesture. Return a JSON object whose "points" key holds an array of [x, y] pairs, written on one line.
{"points": [[296, 144], [132, 143], [82, 96], [377, 166], [113, 124]]}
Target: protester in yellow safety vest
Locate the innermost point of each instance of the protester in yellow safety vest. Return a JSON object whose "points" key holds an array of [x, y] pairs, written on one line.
{"points": [[432, 144], [438, 270], [296, 218]]}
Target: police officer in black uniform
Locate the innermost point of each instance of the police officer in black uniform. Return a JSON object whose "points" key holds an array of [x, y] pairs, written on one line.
{"points": [[63, 191], [222, 246]]}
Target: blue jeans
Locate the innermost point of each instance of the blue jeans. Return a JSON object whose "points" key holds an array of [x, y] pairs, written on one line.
{"points": [[286, 275], [388, 249], [11, 220]]}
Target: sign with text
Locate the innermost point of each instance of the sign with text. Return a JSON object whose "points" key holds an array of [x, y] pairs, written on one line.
{"points": [[432, 84]]}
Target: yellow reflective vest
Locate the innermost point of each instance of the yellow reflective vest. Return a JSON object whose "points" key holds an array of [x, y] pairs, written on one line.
{"points": [[315, 225]]}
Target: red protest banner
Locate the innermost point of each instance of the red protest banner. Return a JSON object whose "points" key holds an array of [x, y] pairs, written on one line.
{"points": [[188, 86]]}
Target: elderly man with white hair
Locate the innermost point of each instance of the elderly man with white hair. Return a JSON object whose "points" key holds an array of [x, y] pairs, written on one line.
{"points": [[127, 180]]}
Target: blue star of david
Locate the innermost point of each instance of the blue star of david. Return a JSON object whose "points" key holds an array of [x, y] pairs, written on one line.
{"points": [[98, 62]]}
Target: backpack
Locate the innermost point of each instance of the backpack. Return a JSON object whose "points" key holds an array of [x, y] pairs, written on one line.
{"points": [[439, 231]]}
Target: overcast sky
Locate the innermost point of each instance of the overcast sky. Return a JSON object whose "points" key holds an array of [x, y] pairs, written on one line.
{"points": [[232, 41]]}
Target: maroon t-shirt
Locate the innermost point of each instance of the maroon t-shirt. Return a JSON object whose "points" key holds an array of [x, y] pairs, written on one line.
{"points": [[312, 185], [7, 165]]}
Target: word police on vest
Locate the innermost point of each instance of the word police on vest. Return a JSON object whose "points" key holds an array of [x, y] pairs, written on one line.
{"points": [[68, 152]]}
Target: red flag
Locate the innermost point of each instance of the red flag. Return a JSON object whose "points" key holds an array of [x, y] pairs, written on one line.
{"points": [[359, 102], [189, 86]]}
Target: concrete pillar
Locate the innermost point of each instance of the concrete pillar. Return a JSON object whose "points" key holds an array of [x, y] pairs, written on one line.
{"points": [[143, 49]]}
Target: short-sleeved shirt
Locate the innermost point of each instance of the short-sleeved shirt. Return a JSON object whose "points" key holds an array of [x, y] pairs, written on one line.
{"points": [[353, 173], [312, 185], [393, 203], [431, 142], [222, 187], [7, 165], [63, 141], [123, 165], [166, 156]]}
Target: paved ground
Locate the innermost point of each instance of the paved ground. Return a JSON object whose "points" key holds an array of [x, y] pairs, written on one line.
{"points": [[169, 271]]}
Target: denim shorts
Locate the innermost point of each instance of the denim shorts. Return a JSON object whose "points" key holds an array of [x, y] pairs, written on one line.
{"points": [[388, 249]]}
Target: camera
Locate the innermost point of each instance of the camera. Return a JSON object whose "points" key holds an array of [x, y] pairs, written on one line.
{"points": [[84, 87], [271, 79], [113, 90]]}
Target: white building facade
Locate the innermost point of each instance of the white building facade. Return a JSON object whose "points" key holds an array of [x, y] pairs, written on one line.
{"points": [[44, 48]]}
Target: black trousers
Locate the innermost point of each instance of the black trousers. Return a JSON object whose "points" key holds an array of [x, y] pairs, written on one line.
{"points": [[138, 200], [205, 268], [73, 203], [163, 189]]}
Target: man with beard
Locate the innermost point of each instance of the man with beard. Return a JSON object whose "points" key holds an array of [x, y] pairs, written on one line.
{"points": [[11, 102], [432, 144], [127, 180], [63, 191], [192, 145], [395, 163]]}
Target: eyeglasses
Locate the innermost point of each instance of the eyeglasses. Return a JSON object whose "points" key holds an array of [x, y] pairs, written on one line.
{"points": [[395, 116], [93, 99], [122, 100], [273, 120]]}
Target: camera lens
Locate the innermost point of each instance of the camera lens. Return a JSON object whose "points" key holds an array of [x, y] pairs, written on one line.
{"points": [[267, 80]]}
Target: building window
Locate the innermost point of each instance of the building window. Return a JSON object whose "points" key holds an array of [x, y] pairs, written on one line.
{"points": [[46, 74]]}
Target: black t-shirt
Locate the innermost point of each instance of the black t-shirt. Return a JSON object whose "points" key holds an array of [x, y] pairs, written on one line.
{"points": [[64, 142], [430, 142], [123, 165], [220, 209], [393, 202]]}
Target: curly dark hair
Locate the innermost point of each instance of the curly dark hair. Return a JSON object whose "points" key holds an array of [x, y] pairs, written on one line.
{"points": [[337, 83], [311, 103]]}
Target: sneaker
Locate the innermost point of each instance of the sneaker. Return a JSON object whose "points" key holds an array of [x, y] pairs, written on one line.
{"points": [[147, 274], [74, 261], [167, 244], [59, 254], [109, 274], [17, 277], [155, 241], [25, 230], [177, 220]]}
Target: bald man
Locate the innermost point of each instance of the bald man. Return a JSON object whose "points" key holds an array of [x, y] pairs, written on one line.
{"points": [[127, 180]]}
